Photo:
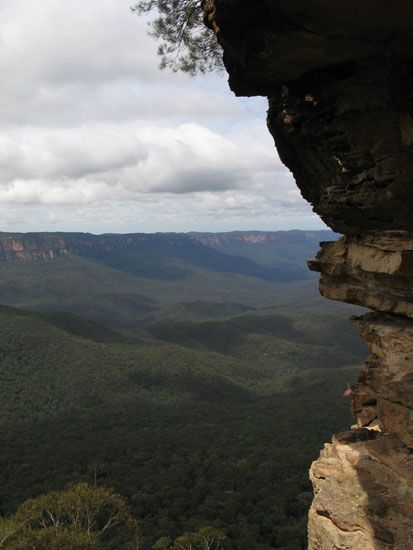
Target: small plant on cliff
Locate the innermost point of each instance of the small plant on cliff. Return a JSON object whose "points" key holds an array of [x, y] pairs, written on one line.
{"points": [[186, 43]]}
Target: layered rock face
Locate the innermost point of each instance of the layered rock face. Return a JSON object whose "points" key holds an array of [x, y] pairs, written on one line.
{"points": [[339, 79]]}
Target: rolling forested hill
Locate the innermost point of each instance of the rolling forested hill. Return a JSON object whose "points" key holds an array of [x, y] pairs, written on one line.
{"points": [[204, 405], [127, 280]]}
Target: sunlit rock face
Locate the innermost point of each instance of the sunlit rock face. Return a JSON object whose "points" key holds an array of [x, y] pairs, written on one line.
{"points": [[339, 79]]}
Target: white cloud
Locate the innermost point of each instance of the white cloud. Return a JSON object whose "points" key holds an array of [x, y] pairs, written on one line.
{"points": [[126, 160], [94, 137], [66, 153], [70, 62]]}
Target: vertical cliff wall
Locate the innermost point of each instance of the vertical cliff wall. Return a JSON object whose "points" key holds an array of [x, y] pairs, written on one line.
{"points": [[339, 79]]}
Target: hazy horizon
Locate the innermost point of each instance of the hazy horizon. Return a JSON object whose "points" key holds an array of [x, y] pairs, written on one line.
{"points": [[166, 232]]}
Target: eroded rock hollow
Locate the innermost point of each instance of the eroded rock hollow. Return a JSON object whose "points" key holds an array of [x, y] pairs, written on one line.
{"points": [[339, 79]]}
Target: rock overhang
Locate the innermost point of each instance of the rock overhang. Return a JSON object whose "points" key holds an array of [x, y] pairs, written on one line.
{"points": [[267, 43], [339, 79]]}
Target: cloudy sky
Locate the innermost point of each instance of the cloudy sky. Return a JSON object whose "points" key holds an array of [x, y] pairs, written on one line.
{"points": [[93, 137]]}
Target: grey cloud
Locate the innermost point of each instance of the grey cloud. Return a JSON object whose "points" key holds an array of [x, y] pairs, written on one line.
{"points": [[87, 165], [196, 181], [66, 153]]}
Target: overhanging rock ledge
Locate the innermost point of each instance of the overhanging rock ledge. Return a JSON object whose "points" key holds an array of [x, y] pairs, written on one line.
{"points": [[339, 79]]}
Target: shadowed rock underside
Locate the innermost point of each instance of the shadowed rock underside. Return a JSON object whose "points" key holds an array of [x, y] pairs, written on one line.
{"points": [[339, 79]]}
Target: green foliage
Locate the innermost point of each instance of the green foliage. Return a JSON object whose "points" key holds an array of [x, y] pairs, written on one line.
{"points": [[104, 293], [187, 541], [10, 529], [163, 277], [53, 539], [206, 538], [193, 433], [79, 517], [187, 44], [81, 507], [163, 543], [204, 409], [210, 538]]}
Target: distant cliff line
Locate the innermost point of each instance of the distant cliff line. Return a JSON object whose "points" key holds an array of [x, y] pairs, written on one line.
{"points": [[49, 246]]}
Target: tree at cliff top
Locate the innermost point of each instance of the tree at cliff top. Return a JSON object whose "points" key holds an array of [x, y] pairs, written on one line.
{"points": [[187, 44]]}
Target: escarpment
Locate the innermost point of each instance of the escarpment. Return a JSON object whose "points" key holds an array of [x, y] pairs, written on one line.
{"points": [[29, 247], [339, 80]]}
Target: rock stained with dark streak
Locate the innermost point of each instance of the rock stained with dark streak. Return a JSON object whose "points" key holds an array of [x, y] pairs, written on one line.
{"points": [[339, 79]]}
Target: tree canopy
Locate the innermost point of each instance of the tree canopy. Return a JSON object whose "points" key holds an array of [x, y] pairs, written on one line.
{"points": [[186, 43], [78, 517], [207, 538]]}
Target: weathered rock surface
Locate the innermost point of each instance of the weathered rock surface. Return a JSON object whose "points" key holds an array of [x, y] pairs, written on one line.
{"points": [[339, 79], [363, 494], [385, 387], [372, 270]]}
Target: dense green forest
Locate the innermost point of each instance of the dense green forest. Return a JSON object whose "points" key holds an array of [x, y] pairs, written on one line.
{"points": [[196, 424], [172, 277], [200, 399]]}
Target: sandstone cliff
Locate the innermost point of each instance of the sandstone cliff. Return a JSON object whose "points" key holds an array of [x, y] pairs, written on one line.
{"points": [[339, 79], [27, 247]]}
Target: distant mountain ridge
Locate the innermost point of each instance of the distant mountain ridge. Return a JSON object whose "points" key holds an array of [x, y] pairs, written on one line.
{"points": [[132, 279], [271, 248], [256, 236], [153, 255], [48, 246]]}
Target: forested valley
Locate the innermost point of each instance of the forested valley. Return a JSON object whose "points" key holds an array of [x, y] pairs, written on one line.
{"points": [[184, 394]]}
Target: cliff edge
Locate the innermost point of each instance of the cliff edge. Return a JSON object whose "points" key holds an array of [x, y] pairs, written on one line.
{"points": [[339, 79]]}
